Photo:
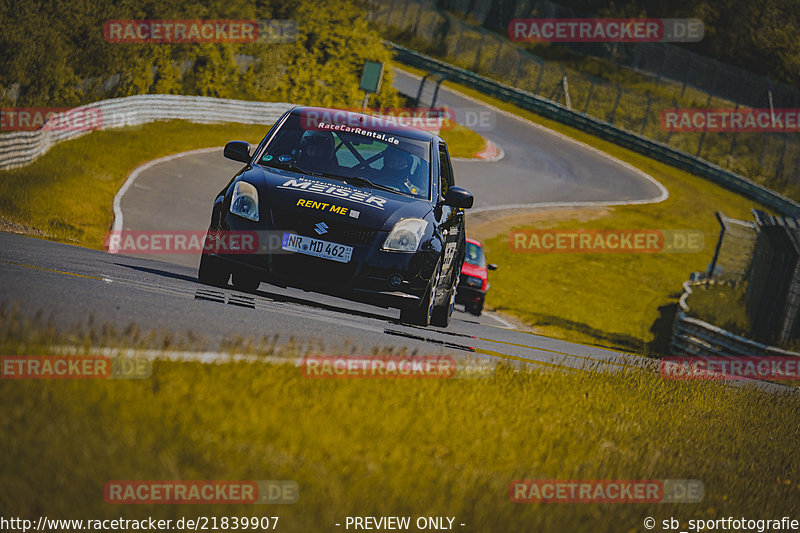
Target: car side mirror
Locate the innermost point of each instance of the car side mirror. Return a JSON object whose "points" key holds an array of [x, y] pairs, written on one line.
{"points": [[458, 197], [238, 151], [491, 266]]}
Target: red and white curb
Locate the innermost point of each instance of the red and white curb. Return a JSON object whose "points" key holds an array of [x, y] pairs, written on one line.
{"points": [[490, 153]]}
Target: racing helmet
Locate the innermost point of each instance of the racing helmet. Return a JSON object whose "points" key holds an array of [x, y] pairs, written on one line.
{"points": [[317, 145], [397, 159]]}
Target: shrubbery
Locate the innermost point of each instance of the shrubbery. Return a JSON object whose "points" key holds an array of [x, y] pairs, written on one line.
{"points": [[55, 54]]}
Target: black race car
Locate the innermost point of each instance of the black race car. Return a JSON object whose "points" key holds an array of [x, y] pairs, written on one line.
{"points": [[345, 204]]}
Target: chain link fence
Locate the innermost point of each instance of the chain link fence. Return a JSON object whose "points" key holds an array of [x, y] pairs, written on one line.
{"points": [[661, 77], [764, 256], [734, 251]]}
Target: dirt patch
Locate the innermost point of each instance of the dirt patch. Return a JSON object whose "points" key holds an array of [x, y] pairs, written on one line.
{"points": [[8, 226], [488, 224]]}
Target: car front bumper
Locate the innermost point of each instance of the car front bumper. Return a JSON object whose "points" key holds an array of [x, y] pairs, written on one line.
{"points": [[375, 276]]}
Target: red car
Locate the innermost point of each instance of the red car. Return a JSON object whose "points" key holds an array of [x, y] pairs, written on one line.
{"points": [[474, 280]]}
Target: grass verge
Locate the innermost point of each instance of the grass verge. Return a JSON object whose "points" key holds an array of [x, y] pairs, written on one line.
{"points": [[395, 447], [722, 305]]}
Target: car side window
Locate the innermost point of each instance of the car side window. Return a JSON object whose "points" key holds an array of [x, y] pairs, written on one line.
{"points": [[445, 170]]}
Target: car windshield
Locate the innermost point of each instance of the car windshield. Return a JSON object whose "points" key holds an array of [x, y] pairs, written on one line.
{"points": [[475, 255], [370, 158]]}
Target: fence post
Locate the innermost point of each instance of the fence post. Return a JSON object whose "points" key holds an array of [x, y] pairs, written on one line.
{"points": [[419, 16], [405, 12], [646, 113], [389, 12], [497, 56], [670, 132], [733, 141], [556, 94], [713, 264], [663, 65], [539, 79], [478, 51], [685, 79], [519, 68], [779, 166], [565, 87], [613, 116], [703, 135], [796, 168], [589, 96], [458, 40]]}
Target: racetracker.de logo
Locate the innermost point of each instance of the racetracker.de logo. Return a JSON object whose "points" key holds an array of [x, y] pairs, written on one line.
{"points": [[180, 31], [379, 367], [646, 241], [201, 492], [606, 491], [73, 367], [723, 120], [730, 368], [51, 119], [431, 119], [598, 30], [188, 242], [200, 31]]}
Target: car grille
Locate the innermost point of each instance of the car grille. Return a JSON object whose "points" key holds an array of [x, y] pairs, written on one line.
{"points": [[338, 232], [314, 269], [471, 281]]}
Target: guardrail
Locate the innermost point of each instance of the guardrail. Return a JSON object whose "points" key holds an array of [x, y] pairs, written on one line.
{"points": [[694, 337], [22, 147], [604, 130]]}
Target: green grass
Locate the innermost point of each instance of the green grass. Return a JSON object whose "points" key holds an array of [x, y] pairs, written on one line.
{"points": [[624, 301], [721, 305], [462, 141], [385, 447], [397, 447], [67, 193]]}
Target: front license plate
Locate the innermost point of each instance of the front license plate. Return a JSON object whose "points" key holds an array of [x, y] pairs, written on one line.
{"points": [[316, 247]]}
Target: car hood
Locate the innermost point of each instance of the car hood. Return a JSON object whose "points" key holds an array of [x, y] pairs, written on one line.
{"points": [[330, 197]]}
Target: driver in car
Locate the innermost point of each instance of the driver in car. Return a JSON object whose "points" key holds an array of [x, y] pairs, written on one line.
{"points": [[397, 166], [316, 152]]}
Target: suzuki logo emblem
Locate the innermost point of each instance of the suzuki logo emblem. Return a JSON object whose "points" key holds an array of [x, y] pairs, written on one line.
{"points": [[321, 228]]}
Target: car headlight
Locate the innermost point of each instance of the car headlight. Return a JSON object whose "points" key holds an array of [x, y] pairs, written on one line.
{"points": [[406, 235], [245, 201]]}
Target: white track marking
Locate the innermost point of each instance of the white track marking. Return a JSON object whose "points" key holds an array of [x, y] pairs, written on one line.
{"points": [[135, 174], [506, 324]]}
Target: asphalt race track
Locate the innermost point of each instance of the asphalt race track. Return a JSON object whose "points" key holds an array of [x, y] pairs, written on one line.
{"points": [[70, 286]]}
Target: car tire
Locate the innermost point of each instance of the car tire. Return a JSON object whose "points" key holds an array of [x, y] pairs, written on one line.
{"points": [[476, 309], [212, 271], [441, 313], [245, 281], [421, 315]]}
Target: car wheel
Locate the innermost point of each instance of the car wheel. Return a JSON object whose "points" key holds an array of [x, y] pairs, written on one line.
{"points": [[421, 314], [212, 271], [245, 281], [441, 313], [476, 308]]}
